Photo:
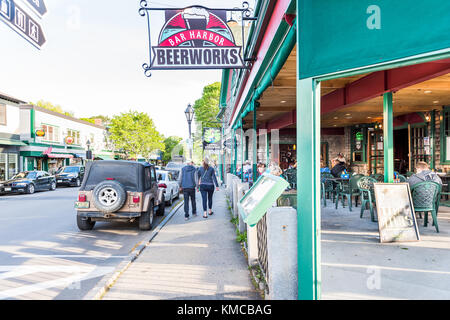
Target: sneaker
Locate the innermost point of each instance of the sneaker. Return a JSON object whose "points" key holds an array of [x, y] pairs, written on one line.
{"points": [[186, 218]]}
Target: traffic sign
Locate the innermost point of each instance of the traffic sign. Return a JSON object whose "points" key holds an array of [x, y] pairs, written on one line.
{"points": [[39, 6], [21, 22]]}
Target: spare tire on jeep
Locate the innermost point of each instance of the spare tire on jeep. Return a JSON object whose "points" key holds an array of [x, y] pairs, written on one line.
{"points": [[109, 196]]}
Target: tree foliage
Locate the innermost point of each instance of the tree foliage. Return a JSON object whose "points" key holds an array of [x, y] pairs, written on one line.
{"points": [[105, 119], [170, 143], [136, 134], [207, 107], [55, 108]]}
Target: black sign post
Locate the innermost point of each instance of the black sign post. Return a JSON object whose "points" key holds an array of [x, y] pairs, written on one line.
{"points": [[21, 22]]}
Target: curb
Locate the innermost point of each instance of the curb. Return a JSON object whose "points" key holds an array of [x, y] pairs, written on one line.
{"points": [[108, 280]]}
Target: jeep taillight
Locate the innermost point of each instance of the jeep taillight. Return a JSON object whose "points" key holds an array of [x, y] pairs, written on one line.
{"points": [[136, 199], [82, 198], [162, 185]]}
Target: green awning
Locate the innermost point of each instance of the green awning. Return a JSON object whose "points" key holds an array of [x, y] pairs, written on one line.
{"points": [[9, 142], [105, 157]]}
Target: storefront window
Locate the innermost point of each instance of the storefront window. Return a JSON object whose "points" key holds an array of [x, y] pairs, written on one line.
{"points": [[2, 166], [2, 114], [12, 165], [445, 135], [51, 133], [75, 135], [359, 144]]}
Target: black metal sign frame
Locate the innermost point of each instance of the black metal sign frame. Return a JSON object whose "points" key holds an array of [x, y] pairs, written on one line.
{"points": [[245, 11]]}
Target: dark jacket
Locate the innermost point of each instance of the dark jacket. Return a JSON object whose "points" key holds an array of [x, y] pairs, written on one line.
{"points": [[426, 175], [207, 177], [189, 177], [337, 170]]}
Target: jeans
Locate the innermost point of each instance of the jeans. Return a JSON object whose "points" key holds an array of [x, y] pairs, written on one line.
{"points": [[189, 193], [207, 192]]}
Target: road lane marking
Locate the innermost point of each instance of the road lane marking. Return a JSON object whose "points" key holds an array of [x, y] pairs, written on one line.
{"points": [[68, 256], [82, 274]]}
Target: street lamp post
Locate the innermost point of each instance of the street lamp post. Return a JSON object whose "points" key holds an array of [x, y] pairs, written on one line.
{"points": [[189, 113], [88, 152]]}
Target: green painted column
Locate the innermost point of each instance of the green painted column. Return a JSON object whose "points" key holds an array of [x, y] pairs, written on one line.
{"points": [[432, 133], [255, 145], [308, 190], [32, 125], [242, 149], [235, 152], [388, 137]]}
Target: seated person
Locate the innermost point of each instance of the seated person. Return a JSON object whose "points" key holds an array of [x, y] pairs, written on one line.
{"points": [[338, 166], [423, 173]]}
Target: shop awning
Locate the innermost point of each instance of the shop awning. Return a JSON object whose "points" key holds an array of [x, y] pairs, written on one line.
{"points": [[10, 142], [104, 157], [60, 155]]}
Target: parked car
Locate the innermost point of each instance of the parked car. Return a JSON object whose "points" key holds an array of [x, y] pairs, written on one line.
{"points": [[119, 191], [70, 176], [29, 182], [171, 186], [175, 169]]}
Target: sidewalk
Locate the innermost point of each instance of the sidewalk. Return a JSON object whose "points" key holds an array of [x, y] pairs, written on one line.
{"points": [[194, 259]]}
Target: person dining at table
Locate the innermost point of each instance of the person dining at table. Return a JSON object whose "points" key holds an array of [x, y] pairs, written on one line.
{"points": [[423, 173], [338, 164]]}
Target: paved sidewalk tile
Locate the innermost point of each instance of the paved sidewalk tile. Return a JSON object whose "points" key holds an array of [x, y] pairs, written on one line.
{"points": [[194, 259]]}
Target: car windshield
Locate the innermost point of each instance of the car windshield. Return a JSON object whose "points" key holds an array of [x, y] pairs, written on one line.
{"points": [[25, 175], [174, 165], [68, 170], [161, 176]]}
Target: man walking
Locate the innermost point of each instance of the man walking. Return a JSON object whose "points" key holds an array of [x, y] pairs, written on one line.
{"points": [[188, 185]]}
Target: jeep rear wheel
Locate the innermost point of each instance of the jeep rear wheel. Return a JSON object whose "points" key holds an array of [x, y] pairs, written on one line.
{"points": [[146, 218], [85, 224], [109, 196]]}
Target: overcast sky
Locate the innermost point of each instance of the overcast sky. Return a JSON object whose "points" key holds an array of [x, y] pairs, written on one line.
{"points": [[91, 63]]}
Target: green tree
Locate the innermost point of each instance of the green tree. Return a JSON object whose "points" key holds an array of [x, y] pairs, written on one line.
{"points": [[136, 134], [105, 119], [206, 109], [170, 143], [55, 108]]}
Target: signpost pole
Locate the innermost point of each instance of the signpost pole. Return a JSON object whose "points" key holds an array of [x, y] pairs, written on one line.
{"points": [[388, 138]]}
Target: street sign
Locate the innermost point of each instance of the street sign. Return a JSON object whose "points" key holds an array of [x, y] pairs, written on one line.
{"points": [[336, 35], [38, 5], [21, 22]]}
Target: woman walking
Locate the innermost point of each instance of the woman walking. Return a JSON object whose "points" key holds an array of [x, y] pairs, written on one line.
{"points": [[207, 181]]}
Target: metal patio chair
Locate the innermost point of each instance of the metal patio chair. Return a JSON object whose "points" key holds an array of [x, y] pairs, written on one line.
{"points": [[349, 189], [365, 185], [425, 197], [327, 186], [378, 176]]}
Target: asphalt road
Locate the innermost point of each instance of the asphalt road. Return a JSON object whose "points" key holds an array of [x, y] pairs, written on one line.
{"points": [[43, 255]]}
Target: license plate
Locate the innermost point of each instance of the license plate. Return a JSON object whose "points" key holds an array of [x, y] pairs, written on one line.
{"points": [[7, 189], [82, 205], [58, 181]]}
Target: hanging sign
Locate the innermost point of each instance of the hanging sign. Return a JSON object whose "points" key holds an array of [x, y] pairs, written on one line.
{"points": [[21, 22], [69, 140], [38, 6], [211, 138], [195, 37], [40, 133]]}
